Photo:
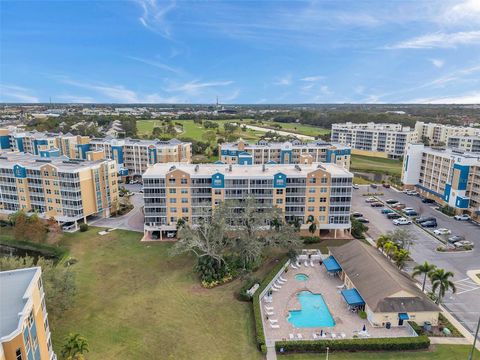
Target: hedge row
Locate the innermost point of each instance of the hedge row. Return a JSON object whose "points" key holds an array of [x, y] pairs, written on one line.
{"points": [[371, 344], [257, 314]]}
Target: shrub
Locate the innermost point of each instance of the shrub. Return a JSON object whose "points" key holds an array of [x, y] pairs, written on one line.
{"points": [[242, 294], [446, 323], [362, 314], [372, 344], [417, 328], [310, 239], [83, 227]]}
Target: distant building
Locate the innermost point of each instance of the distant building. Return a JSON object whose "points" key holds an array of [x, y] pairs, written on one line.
{"points": [[317, 191], [448, 176], [294, 152], [24, 329], [464, 143], [440, 133], [371, 139]]}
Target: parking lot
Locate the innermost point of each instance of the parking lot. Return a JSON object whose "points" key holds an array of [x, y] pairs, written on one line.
{"points": [[465, 304]]}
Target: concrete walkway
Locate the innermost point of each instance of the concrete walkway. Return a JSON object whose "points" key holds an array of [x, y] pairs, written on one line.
{"points": [[449, 340], [132, 221], [271, 352]]}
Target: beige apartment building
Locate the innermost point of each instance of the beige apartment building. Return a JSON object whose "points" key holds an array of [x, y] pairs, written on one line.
{"points": [[68, 190], [321, 192], [464, 143], [440, 133]]}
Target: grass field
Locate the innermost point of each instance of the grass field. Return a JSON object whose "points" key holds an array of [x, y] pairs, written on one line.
{"points": [[374, 164], [440, 352], [303, 129]]}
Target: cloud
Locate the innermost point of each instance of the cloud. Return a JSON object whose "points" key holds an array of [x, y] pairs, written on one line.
{"points": [[463, 12], [437, 62], [439, 40], [230, 97], [313, 78], [114, 92], [193, 86], [283, 80], [154, 16], [156, 64], [14, 93], [75, 99], [469, 98]]}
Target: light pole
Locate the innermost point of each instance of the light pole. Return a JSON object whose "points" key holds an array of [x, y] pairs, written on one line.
{"points": [[470, 357], [327, 353]]}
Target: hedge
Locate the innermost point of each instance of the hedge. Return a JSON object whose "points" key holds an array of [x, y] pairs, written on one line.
{"points": [[371, 344], [257, 314]]}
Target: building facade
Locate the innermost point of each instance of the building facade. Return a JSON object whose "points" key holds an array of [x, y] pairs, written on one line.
{"points": [[68, 190], [435, 134], [317, 191], [448, 176], [294, 152], [383, 140], [24, 329], [464, 143]]}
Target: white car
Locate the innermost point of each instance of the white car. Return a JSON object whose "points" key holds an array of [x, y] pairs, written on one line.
{"points": [[370, 200], [442, 231], [355, 186], [402, 221], [412, 193], [462, 243], [463, 217]]}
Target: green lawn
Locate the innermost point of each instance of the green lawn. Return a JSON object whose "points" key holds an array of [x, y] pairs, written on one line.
{"points": [[134, 301], [439, 352], [374, 164], [303, 129]]}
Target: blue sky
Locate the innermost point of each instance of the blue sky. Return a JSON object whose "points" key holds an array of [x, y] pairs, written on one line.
{"points": [[243, 51]]}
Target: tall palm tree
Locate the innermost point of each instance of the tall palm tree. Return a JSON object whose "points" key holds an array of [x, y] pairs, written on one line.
{"points": [[424, 269], [400, 256], [390, 248], [75, 347], [313, 226], [440, 280], [382, 240]]}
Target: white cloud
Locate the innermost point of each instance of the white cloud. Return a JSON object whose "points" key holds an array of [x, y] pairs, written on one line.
{"points": [[324, 89], [75, 99], [437, 63], [463, 12], [14, 93], [439, 40], [470, 98], [194, 86], [283, 80], [156, 64], [153, 16], [313, 78], [114, 92], [230, 97]]}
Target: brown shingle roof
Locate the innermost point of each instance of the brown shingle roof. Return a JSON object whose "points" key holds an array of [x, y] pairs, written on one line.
{"points": [[378, 280]]}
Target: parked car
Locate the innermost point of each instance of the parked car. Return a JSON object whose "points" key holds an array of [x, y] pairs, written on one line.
{"points": [[406, 191], [412, 193], [399, 206], [402, 221], [155, 235], [425, 218], [355, 186], [410, 212], [141, 191], [68, 226], [463, 243], [462, 217], [363, 220], [370, 200], [357, 214], [442, 231], [393, 215], [429, 224], [376, 204], [171, 234], [373, 186], [391, 201], [387, 211], [408, 209], [428, 201], [455, 238], [385, 185]]}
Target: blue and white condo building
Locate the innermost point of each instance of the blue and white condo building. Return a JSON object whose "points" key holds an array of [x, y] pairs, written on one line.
{"points": [[295, 152], [450, 177]]}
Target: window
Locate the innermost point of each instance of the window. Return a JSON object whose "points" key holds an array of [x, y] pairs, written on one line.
{"points": [[311, 199], [324, 180], [279, 201], [173, 201], [321, 218], [218, 192], [322, 208], [184, 209], [18, 355], [183, 181], [323, 199], [312, 181], [311, 208], [47, 182], [184, 200], [323, 190], [311, 191], [184, 191], [171, 181], [173, 210], [279, 191], [172, 191]]}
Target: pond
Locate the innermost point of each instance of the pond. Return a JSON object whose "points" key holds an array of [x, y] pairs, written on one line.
{"points": [[9, 251]]}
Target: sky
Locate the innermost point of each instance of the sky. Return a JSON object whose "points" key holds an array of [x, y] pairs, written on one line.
{"points": [[254, 52]]}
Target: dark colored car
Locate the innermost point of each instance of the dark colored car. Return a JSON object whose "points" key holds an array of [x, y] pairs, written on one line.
{"points": [[427, 201], [393, 216], [357, 215], [363, 220], [373, 186], [410, 213], [376, 204], [455, 238], [428, 224], [387, 211], [425, 218], [391, 201], [385, 185]]}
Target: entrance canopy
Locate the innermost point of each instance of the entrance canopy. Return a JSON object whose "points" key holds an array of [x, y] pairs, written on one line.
{"points": [[403, 316], [352, 297], [331, 264]]}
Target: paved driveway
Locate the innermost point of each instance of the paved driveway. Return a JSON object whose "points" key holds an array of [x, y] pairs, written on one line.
{"points": [[131, 221], [465, 304]]}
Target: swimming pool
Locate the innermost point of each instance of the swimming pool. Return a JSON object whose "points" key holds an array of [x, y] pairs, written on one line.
{"points": [[313, 314], [301, 277]]}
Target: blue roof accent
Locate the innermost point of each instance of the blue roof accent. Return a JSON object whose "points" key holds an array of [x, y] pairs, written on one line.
{"points": [[218, 162], [331, 264], [352, 297], [403, 316]]}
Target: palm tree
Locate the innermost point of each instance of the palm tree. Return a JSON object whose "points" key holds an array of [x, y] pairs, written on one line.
{"points": [[440, 280], [313, 226], [400, 256], [390, 248], [382, 240], [424, 269], [75, 347]]}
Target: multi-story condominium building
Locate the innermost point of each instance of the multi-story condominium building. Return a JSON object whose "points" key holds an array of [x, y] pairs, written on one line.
{"points": [[318, 191], [294, 152], [383, 140], [136, 156], [448, 176], [464, 143], [24, 329], [68, 190], [439, 133]]}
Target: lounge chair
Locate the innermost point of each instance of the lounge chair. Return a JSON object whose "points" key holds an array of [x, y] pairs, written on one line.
{"points": [[306, 263], [312, 263], [343, 335], [324, 335], [298, 264], [275, 326], [274, 289], [273, 321], [293, 266], [268, 308], [281, 278], [333, 335], [269, 313], [277, 286], [299, 336], [315, 336], [291, 336], [280, 282], [363, 333]]}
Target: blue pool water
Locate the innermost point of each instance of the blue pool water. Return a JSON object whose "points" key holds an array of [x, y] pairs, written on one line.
{"points": [[301, 277], [314, 312]]}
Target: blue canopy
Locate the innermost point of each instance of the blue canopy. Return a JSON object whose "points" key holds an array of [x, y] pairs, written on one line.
{"points": [[331, 264], [403, 316], [352, 297]]}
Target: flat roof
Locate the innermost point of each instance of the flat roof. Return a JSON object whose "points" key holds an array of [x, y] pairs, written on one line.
{"points": [[284, 145], [13, 287], [267, 170]]}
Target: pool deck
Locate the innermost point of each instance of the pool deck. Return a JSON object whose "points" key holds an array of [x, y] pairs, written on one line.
{"points": [[319, 282]]}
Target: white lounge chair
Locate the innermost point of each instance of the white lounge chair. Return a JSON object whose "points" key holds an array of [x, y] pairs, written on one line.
{"points": [[291, 336], [277, 286], [343, 335], [298, 264], [315, 336], [305, 263], [273, 321], [293, 266], [275, 326], [269, 313], [280, 282], [268, 308], [299, 336], [363, 333], [333, 336], [274, 289], [323, 335], [312, 264], [281, 278]]}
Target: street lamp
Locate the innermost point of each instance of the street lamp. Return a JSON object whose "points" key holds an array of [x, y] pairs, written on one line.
{"points": [[327, 352], [470, 357]]}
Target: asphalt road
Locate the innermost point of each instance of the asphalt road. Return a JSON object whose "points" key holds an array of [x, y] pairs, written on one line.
{"points": [[465, 303]]}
